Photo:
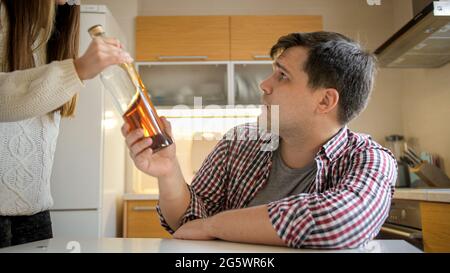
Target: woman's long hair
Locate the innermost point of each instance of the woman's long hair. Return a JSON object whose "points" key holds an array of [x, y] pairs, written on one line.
{"points": [[37, 23]]}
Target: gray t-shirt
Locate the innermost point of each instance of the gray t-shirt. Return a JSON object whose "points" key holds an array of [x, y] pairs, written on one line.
{"points": [[284, 181]]}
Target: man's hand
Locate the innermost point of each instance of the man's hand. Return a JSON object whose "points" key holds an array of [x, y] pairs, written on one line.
{"points": [[174, 196], [163, 163], [194, 230]]}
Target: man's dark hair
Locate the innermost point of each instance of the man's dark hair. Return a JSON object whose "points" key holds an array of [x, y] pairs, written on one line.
{"points": [[335, 61]]}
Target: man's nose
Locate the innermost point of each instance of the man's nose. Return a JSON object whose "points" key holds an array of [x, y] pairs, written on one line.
{"points": [[266, 87]]}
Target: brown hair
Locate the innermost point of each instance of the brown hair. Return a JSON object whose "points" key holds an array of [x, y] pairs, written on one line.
{"points": [[335, 61], [37, 23]]}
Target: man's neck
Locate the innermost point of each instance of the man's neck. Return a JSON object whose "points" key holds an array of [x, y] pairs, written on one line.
{"points": [[299, 150]]}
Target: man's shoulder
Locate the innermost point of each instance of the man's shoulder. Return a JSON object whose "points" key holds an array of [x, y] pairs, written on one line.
{"points": [[362, 143]]}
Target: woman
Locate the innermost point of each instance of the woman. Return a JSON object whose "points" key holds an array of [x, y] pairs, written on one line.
{"points": [[40, 76]]}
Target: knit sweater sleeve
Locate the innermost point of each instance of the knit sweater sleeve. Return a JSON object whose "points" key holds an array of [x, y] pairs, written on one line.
{"points": [[37, 91]]}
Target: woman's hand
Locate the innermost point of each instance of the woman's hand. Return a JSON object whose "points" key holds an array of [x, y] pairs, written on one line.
{"points": [[101, 53], [162, 164]]}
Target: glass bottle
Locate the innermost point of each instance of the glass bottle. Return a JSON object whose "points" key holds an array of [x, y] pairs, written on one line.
{"points": [[131, 99]]}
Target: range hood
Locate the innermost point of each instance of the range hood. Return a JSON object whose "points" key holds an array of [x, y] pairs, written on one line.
{"points": [[423, 43]]}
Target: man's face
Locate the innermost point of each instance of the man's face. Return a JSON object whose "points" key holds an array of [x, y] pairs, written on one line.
{"points": [[288, 88]]}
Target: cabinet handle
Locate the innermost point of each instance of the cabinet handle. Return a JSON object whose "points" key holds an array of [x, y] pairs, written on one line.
{"points": [[144, 208], [401, 233], [262, 57], [162, 58]]}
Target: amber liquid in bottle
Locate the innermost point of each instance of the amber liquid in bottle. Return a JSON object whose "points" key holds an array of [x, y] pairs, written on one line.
{"points": [[142, 114], [136, 118]]}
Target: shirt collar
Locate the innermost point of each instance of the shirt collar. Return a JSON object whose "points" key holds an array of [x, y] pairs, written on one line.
{"points": [[336, 145]]}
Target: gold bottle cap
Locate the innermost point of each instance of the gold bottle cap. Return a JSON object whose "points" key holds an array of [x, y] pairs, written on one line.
{"points": [[96, 31]]}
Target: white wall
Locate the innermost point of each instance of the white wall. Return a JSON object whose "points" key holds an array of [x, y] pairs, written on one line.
{"points": [[403, 12]]}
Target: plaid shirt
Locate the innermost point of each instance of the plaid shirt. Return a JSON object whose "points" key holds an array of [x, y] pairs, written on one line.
{"points": [[344, 207]]}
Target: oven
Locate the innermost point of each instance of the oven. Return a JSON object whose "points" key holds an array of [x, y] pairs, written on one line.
{"points": [[404, 223]]}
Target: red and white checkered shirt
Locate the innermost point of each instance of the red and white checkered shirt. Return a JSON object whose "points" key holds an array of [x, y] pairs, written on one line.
{"points": [[344, 207]]}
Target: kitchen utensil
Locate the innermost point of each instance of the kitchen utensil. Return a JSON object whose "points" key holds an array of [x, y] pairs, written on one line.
{"points": [[431, 175], [413, 156]]}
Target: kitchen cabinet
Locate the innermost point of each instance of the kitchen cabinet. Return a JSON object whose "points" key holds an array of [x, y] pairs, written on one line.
{"points": [[174, 83], [141, 220], [181, 38], [204, 84], [220, 59], [436, 226], [253, 36], [215, 38]]}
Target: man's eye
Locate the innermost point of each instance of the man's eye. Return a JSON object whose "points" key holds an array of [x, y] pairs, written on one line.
{"points": [[282, 76]]}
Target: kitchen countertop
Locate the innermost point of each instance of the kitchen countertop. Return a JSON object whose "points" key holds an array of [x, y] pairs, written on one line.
{"points": [[430, 195], [128, 245]]}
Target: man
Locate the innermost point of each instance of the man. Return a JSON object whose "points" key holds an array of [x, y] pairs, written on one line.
{"points": [[323, 187]]}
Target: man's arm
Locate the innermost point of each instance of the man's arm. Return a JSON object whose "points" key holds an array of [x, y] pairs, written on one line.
{"points": [[249, 225], [174, 197]]}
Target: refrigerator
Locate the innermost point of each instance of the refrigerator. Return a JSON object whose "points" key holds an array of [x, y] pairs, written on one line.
{"points": [[88, 176]]}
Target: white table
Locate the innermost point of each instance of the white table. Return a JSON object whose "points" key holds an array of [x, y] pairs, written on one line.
{"points": [[120, 245]]}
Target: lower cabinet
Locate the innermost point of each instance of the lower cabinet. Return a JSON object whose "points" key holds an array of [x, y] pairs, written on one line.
{"points": [[436, 226], [141, 220]]}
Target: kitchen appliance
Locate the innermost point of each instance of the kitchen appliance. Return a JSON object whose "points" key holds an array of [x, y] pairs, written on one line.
{"points": [[424, 42], [88, 176], [404, 223]]}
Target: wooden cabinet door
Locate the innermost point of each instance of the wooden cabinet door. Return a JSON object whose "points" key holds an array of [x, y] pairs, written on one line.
{"points": [[182, 38], [142, 220], [436, 226], [252, 37]]}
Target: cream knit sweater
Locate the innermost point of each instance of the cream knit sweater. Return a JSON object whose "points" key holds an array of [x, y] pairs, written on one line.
{"points": [[29, 129]]}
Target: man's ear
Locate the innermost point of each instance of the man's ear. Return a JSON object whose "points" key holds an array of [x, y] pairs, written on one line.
{"points": [[328, 101]]}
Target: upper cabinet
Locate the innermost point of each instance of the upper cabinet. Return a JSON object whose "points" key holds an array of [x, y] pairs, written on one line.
{"points": [[182, 38], [215, 38], [253, 36], [221, 59]]}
